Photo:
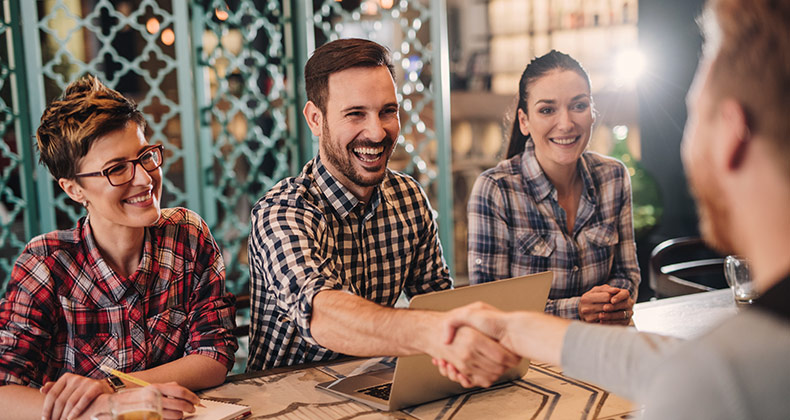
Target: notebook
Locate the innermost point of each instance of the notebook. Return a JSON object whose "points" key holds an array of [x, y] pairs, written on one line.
{"points": [[415, 380], [218, 410]]}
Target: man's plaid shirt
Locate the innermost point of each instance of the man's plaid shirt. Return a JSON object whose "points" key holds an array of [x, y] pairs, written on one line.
{"points": [[65, 310], [310, 233], [517, 227]]}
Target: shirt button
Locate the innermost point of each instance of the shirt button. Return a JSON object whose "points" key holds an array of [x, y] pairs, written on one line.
{"points": [[575, 268], [478, 261]]}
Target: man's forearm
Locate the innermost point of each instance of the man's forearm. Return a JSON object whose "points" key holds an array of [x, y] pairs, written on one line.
{"points": [[349, 324], [535, 335]]}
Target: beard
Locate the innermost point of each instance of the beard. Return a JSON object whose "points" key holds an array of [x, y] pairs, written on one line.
{"points": [[714, 216], [342, 159]]}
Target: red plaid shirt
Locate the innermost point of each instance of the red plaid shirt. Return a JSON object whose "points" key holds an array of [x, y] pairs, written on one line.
{"points": [[65, 310]]}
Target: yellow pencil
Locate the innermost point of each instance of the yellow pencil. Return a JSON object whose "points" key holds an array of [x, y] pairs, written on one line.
{"points": [[123, 376], [127, 377]]}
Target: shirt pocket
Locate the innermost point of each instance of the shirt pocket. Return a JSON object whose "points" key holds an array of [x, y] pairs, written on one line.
{"points": [[167, 335], [603, 235], [532, 243], [94, 337], [532, 254]]}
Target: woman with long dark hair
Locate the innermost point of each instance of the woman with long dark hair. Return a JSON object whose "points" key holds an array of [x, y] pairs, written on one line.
{"points": [[553, 205]]}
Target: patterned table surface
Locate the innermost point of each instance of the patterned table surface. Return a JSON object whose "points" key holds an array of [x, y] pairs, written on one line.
{"points": [[543, 393]]}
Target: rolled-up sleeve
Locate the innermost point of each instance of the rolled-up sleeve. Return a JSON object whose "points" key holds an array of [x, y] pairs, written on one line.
{"points": [[291, 260], [625, 268], [213, 315], [431, 272], [488, 235], [25, 325]]}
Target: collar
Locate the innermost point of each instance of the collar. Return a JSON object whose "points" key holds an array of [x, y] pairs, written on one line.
{"points": [[537, 183], [774, 300], [116, 286], [338, 196]]}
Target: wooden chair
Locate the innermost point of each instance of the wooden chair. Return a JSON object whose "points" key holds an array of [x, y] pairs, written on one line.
{"points": [[681, 266], [242, 303]]}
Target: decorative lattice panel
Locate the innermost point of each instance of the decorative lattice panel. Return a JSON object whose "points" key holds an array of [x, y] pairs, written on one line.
{"points": [[245, 138], [131, 46], [14, 218], [218, 83]]}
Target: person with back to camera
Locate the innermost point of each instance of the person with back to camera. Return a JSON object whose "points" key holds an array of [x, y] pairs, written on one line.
{"points": [[736, 154], [552, 205], [132, 287]]}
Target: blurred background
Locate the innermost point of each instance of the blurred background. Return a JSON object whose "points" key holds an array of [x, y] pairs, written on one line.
{"points": [[220, 82]]}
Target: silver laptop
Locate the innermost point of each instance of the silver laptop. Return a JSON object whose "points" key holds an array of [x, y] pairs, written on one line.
{"points": [[414, 379]]}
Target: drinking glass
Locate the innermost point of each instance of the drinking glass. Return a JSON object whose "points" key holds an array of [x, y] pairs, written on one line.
{"points": [[134, 404], [736, 271]]}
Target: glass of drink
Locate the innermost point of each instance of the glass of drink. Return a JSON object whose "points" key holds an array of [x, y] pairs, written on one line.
{"points": [[136, 404], [736, 271]]}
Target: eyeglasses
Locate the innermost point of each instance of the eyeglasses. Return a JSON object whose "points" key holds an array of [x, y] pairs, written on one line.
{"points": [[123, 172]]}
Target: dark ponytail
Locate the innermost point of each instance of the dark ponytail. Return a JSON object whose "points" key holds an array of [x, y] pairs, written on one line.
{"points": [[536, 69]]}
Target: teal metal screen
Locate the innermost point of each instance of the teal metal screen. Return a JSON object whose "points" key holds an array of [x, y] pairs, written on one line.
{"points": [[220, 84]]}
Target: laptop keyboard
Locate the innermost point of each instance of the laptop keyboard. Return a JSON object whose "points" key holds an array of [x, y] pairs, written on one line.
{"points": [[379, 391]]}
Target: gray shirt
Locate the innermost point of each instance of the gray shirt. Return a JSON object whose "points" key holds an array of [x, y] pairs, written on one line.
{"points": [[739, 370]]}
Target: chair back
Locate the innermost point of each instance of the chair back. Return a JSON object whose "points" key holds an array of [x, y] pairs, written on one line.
{"points": [[242, 304], [685, 265]]}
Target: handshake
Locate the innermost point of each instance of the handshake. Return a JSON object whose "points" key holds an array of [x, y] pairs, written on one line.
{"points": [[479, 342]]}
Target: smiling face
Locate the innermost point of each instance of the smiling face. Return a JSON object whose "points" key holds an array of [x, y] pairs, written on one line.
{"points": [[135, 204], [357, 133], [559, 117]]}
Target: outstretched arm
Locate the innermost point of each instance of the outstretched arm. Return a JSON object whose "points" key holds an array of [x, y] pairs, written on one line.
{"points": [[352, 325]]}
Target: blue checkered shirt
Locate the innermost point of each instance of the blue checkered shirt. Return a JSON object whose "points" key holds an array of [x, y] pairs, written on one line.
{"points": [[517, 227], [310, 233]]}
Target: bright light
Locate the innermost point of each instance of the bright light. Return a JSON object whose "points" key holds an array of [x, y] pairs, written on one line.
{"points": [[387, 4], [152, 25], [620, 132], [168, 37], [629, 65], [221, 14]]}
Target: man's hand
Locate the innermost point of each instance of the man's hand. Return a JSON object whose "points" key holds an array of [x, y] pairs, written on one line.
{"points": [[477, 318], [70, 395], [478, 360], [606, 304]]}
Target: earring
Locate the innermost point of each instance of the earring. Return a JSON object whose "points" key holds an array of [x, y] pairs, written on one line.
{"points": [[85, 203]]}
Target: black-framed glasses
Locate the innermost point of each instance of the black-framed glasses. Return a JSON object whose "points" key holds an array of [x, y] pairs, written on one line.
{"points": [[123, 172]]}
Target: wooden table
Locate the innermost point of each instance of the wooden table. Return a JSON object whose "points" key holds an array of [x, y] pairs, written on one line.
{"points": [[686, 316], [543, 393]]}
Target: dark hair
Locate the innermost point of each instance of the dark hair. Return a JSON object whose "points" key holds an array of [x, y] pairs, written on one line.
{"points": [[337, 56], [87, 111], [536, 69]]}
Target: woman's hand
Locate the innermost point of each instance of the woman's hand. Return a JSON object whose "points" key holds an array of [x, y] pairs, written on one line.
{"points": [[71, 395], [176, 400], [619, 310], [607, 305]]}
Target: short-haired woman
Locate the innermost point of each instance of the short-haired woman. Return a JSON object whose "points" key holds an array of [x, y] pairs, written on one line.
{"points": [[132, 287]]}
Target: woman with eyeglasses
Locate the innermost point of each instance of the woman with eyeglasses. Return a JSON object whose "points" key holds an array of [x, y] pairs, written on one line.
{"points": [[132, 287]]}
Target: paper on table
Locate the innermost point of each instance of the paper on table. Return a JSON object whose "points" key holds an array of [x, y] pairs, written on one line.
{"points": [[216, 410]]}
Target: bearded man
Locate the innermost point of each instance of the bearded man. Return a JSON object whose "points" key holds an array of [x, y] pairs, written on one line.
{"points": [[332, 249]]}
